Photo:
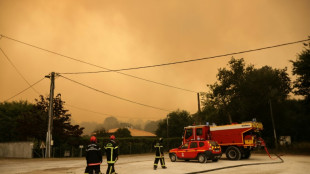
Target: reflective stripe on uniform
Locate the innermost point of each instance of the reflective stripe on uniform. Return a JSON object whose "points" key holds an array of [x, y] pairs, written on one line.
{"points": [[93, 164], [163, 162], [111, 162]]}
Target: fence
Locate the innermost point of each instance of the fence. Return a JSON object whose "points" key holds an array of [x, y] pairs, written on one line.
{"points": [[16, 149], [126, 146]]}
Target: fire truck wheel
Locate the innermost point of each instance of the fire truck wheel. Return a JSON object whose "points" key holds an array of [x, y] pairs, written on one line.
{"points": [[201, 158], [233, 153], [173, 157]]}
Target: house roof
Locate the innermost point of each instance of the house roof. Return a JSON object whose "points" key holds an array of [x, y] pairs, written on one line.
{"points": [[135, 132]]}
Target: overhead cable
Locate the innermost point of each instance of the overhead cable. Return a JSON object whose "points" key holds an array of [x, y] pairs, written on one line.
{"points": [[24, 89], [81, 61], [99, 113], [83, 109], [114, 95], [18, 71], [191, 60]]}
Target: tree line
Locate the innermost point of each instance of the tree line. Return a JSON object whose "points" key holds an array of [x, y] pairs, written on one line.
{"points": [[24, 121]]}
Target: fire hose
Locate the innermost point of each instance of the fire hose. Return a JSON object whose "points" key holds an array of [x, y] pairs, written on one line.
{"points": [[242, 165]]}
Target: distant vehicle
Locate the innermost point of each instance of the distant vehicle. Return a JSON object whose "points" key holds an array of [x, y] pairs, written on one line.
{"points": [[197, 150]]}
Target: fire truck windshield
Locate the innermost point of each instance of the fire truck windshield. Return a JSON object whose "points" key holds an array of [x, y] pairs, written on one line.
{"points": [[189, 133], [213, 143]]}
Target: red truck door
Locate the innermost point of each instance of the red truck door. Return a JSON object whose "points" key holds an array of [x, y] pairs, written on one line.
{"points": [[181, 153], [192, 151]]}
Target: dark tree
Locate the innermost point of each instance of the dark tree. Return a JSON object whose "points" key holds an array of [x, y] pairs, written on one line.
{"points": [[21, 121], [301, 68], [177, 120], [122, 133], [63, 131], [244, 92], [100, 132]]}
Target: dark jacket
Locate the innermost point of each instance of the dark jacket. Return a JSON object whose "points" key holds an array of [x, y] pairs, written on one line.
{"points": [[111, 149], [159, 149], [93, 155]]}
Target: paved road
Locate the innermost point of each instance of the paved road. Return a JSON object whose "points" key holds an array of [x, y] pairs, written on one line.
{"points": [[142, 164]]}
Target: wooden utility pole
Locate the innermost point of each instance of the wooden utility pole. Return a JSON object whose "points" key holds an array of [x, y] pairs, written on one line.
{"points": [[167, 126], [198, 97], [273, 125], [50, 116]]}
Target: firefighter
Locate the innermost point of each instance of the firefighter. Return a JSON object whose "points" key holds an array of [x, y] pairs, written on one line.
{"points": [[93, 157], [111, 149], [159, 152]]}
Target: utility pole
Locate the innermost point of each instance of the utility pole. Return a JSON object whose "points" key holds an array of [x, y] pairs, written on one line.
{"points": [[274, 129], [50, 116], [167, 127], [198, 97]]}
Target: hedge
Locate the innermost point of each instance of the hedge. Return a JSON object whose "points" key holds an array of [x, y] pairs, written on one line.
{"points": [[131, 145]]}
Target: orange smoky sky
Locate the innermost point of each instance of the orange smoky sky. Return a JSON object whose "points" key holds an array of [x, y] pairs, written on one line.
{"points": [[124, 34]]}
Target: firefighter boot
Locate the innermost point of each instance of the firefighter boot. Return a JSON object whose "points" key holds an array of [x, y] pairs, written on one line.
{"points": [[155, 167], [164, 167]]}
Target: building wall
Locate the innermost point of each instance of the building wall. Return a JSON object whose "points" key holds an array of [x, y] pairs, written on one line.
{"points": [[16, 149]]}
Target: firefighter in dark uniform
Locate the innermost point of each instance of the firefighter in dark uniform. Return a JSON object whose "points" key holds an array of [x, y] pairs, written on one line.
{"points": [[93, 157], [111, 149], [159, 152]]}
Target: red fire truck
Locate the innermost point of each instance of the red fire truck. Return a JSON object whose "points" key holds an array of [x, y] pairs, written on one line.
{"points": [[236, 140]]}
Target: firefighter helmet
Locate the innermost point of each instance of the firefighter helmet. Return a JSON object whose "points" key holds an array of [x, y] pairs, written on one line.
{"points": [[112, 137], [93, 139]]}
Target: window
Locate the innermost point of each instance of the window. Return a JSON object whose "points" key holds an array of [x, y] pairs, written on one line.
{"points": [[199, 131], [201, 144], [189, 133], [185, 146], [213, 143], [193, 145]]}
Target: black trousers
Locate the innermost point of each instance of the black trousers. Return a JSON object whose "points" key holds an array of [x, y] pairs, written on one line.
{"points": [[162, 161], [110, 168], [91, 169]]}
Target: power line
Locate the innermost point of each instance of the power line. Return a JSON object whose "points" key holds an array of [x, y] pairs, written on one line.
{"points": [[183, 89], [75, 59], [24, 90], [99, 113], [18, 71], [150, 66], [83, 109], [191, 60], [114, 95]]}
